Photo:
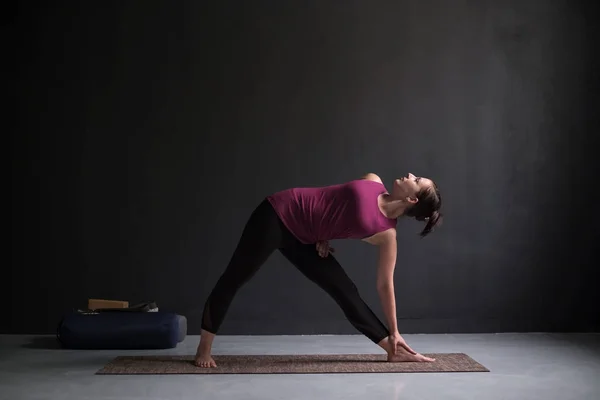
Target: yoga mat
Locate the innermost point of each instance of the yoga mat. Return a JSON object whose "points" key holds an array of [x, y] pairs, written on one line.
{"points": [[288, 364]]}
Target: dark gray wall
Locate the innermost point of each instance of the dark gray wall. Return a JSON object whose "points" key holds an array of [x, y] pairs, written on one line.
{"points": [[146, 133]]}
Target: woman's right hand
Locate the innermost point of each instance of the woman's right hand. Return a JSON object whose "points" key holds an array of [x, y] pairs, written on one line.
{"points": [[396, 340], [323, 248]]}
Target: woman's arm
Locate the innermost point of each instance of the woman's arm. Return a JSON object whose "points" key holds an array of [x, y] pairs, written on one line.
{"points": [[386, 242], [385, 277]]}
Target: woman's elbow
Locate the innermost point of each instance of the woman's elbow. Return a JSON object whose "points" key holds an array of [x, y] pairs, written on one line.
{"points": [[385, 285]]}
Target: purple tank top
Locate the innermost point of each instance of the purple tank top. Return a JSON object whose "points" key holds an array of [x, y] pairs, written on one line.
{"points": [[344, 211]]}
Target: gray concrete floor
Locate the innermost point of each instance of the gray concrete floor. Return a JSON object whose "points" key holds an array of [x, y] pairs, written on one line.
{"points": [[523, 366]]}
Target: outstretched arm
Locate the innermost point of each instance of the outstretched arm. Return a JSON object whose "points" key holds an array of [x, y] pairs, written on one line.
{"points": [[386, 241], [385, 277]]}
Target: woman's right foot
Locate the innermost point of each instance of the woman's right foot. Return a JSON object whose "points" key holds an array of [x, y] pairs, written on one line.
{"points": [[404, 356]]}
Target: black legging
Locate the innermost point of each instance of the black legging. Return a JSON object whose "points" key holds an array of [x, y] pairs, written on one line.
{"points": [[263, 234]]}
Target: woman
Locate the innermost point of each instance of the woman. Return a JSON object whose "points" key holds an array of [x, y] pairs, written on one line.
{"points": [[299, 222]]}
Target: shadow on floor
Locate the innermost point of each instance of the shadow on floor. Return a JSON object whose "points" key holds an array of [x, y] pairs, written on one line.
{"points": [[43, 342]]}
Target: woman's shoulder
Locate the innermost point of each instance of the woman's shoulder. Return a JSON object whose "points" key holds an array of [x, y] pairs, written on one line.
{"points": [[372, 177]]}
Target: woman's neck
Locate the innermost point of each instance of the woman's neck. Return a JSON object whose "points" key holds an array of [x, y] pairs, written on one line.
{"points": [[390, 207]]}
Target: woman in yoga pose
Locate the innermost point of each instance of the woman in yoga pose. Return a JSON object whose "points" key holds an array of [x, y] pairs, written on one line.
{"points": [[300, 222]]}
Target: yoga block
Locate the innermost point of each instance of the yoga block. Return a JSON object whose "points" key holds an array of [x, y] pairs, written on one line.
{"points": [[96, 304]]}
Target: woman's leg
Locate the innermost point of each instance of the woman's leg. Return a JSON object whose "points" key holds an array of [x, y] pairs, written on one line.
{"points": [[329, 275], [260, 238]]}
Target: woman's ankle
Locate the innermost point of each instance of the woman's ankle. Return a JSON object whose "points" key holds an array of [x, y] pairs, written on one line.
{"points": [[206, 340], [385, 345]]}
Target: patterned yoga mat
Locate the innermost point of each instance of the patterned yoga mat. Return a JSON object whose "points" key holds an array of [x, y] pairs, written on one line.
{"points": [[289, 364]]}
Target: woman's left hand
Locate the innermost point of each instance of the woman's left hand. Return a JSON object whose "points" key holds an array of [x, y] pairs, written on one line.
{"points": [[323, 248]]}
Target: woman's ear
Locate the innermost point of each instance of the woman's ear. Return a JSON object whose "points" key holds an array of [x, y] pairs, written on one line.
{"points": [[412, 200]]}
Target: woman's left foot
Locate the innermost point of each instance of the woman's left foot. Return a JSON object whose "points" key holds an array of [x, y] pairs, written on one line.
{"points": [[204, 360]]}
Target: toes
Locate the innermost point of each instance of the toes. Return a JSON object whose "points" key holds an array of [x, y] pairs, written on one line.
{"points": [[202, 361], [206, 364]]}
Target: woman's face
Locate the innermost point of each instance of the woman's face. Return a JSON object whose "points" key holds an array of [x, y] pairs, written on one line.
{"points": [[407, 187]]}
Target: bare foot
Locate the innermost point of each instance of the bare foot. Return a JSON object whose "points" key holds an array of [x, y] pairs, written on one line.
{"points": [[203, 353], [205, 360], [404, 356]]}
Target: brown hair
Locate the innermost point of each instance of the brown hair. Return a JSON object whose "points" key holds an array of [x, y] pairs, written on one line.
{"points": [[427, 208]]}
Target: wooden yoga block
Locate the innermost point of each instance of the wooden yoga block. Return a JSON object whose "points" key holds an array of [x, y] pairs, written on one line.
{"points": [[94, 304]]}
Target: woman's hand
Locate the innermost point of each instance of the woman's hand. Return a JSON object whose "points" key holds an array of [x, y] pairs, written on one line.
{"points": [[396, 340], [323, 248]]}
